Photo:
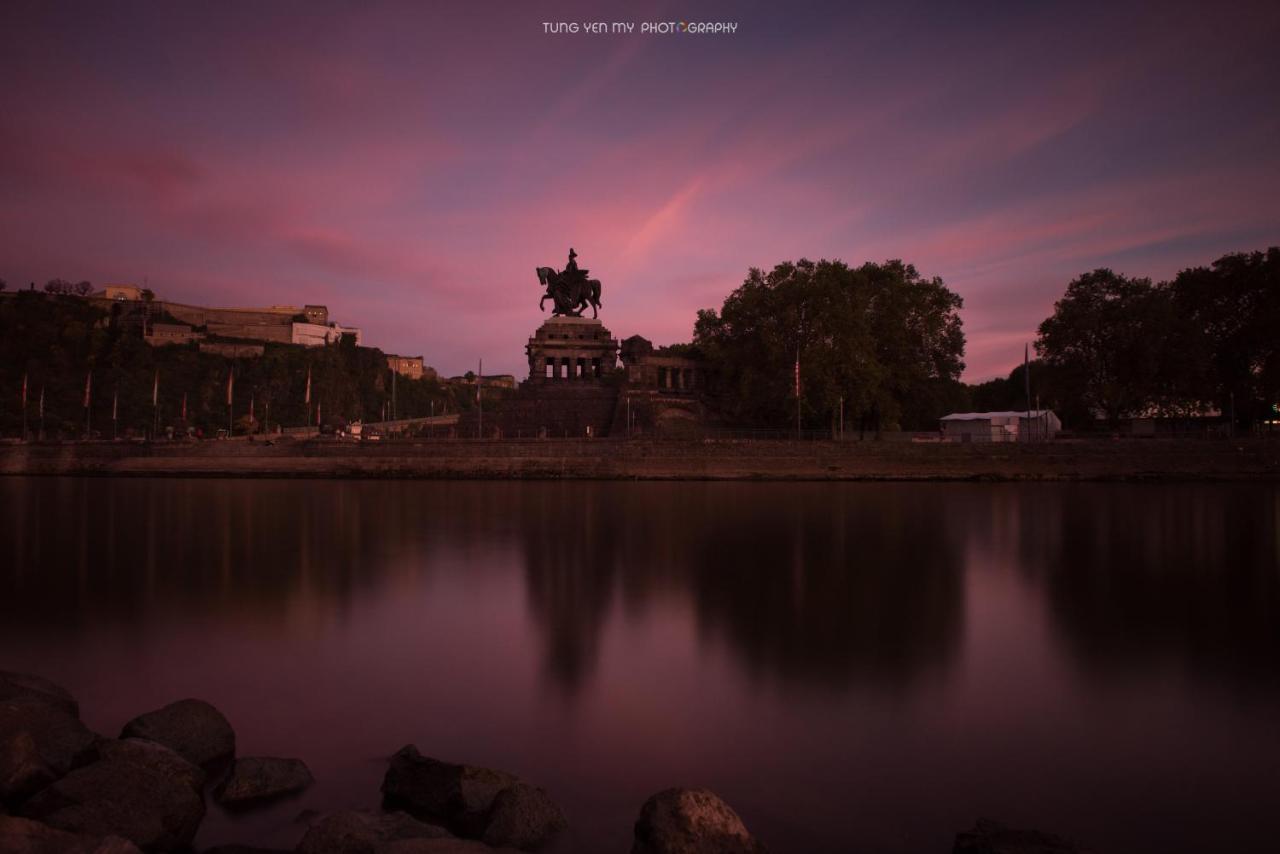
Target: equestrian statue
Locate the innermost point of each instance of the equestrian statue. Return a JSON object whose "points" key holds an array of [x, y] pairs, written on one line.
{"points": [[570, 291]]}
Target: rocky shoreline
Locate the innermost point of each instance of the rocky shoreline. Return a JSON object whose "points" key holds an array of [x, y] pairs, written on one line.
{"points": [[67, 790]]}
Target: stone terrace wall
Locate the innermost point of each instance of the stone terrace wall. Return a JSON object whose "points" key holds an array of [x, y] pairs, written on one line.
{"points": [[553, 410]]}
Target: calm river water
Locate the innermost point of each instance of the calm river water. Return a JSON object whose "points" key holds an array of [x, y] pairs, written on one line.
{"points": [[858, 667]]}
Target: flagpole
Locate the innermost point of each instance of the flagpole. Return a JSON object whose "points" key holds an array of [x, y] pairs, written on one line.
{"points": [[24, 406], [797, 389], [115, 406], [799, 336], [41, 436], [88, 408], [1026, 376], [231, 384], [480, 396], [155, 407]]}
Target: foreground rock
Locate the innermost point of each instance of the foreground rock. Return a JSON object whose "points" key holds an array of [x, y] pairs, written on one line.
{"points": [[24, 836], [23, 772], [258, 780], [60, 739], [359, 832], [14, 685], [451, 845], [192, 728], [456, 796], [156, 758], [991, 837], [691, 821], [145, 798], [523, 816]]}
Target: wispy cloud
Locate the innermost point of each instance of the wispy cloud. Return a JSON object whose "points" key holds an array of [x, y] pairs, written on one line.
{"points": [[411, 164]]}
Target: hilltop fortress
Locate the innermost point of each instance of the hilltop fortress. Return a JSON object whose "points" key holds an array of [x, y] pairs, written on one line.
{"points": [[165, 322], [235, 332]]}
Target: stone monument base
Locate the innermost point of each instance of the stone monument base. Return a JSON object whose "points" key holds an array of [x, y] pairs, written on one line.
{"points": [[571, 349], [572, 390]]}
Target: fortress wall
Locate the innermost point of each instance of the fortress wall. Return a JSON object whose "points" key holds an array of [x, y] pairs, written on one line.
{"points": [[200, 316], [258, 332]]}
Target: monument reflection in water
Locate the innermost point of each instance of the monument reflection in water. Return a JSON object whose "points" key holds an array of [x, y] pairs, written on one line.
{"points": [[851, 666]]}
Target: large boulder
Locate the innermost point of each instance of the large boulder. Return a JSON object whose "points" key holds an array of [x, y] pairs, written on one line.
{"points": [[62, 741], [144, 802], [23, 771], [157, 758], [992, 837], [691, 821], [24, 836], [522, 816], [260, 779], [457, 796], [13, 685], [359, 832], [192, 728]]}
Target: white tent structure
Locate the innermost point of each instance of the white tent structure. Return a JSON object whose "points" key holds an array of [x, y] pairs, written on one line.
{"points": [[1012, 426]]}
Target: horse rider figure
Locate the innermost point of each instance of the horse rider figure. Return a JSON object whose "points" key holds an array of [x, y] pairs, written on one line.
{"points": [[572, 277], [570, 290]]}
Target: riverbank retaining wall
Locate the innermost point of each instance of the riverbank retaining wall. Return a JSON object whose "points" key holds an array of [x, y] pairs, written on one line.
{"points": [[656, 460]]}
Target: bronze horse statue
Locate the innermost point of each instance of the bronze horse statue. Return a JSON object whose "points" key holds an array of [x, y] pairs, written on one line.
{"points": [[570, 294]]}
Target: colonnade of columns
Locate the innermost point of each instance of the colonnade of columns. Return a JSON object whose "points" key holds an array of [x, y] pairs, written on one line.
{"points": [[571, 368]]}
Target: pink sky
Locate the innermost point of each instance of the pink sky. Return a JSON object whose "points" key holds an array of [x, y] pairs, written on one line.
{"points": [[409, 164]]}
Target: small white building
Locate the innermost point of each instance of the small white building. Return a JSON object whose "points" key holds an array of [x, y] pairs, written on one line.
{"points": [[1034, 426], [318, 334]]}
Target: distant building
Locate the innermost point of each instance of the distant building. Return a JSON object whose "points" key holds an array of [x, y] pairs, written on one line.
{"points": [[163, 334], [488, 381], [1010, 426], [315, 314], [281, 324], [410, 367], [654, 369], [119, 293], [318, 335], [499, 381], [308, 326]]}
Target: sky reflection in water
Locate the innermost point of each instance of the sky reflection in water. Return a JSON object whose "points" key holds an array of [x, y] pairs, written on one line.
{"points": [[859, 666]]}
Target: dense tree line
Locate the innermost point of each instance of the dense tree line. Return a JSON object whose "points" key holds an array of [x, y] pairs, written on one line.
{"points": [[880, 340], [1209, 340], [889, 343], [56, 339]]}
